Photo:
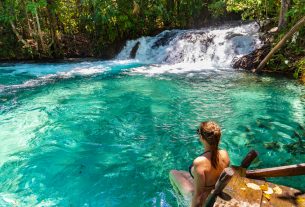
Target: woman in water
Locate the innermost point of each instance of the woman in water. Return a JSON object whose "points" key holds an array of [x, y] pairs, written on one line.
{"points": [[205, 170]]}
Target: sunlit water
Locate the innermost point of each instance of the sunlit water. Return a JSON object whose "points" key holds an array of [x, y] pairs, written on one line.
{"points": [[108, 133]]}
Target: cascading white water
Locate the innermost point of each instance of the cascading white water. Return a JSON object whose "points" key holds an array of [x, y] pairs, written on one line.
{"points": [[175, 51], [208, 47]]}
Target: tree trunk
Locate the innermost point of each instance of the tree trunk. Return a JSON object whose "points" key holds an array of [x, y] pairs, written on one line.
{"points": [[39, 31], [285, 4], [28, 29], [288, 35], [19, 37], [35, 34], [55, 45]]}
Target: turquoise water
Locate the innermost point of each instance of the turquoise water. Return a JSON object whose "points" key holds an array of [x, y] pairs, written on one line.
{"points": [[103, 134]]}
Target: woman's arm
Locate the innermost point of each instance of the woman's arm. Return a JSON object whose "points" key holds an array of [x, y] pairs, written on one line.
{"points": [[199, 183]]}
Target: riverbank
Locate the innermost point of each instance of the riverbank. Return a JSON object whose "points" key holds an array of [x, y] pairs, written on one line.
{"points": [[288, 61]]}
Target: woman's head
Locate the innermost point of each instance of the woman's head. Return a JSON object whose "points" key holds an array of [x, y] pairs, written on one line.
{"points": [[210, 132]]}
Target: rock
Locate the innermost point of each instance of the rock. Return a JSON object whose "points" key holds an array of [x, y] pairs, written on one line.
{"points": [[165, 39], [272, 145], [251, 61], [201, 36], [273, 30], [232, 35], [301, 127], [263, 125], [266, 24], [134, 50], [247, 129], [296, 134], [295, 148]]}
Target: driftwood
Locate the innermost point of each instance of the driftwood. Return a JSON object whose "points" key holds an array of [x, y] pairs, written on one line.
{"points": [[223, 180], [293, 30], [289, 170]]}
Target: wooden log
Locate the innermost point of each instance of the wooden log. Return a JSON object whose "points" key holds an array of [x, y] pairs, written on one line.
{"points": [[238, 194], [289, 170], [221, 183], [248, 159]]}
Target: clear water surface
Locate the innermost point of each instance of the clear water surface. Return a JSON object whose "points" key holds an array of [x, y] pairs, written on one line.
{"points": [[105, 134]]}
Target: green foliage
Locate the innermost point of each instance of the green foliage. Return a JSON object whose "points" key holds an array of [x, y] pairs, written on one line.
{"points": [[297, 10], [34, 6], [218, 7], [254, 9], [300, 67], [44, 28]]}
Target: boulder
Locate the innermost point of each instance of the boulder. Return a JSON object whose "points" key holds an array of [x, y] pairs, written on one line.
{"points": [[252, 60], [134, 50]]}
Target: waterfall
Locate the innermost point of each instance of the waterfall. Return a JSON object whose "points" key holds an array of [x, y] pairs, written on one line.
{"points": [[172, 51], [213, 47]]}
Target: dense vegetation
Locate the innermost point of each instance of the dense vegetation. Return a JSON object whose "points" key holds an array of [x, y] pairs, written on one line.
{"points": [[283, 15], [58, 28], [32, 29]]}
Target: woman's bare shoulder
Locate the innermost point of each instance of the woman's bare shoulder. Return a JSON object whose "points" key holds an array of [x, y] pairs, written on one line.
{"points": [[225, 156], [223, 152], [199, 160]]}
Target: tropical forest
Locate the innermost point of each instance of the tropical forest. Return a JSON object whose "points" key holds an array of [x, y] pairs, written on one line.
{"points": [[158, 103]]}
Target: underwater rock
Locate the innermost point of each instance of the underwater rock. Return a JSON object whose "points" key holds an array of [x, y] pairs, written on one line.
{"points": [[301, 127], [134, 50], [272, 145], [296, 134], [81, 168], [295, 148], [263, 125], [247, 129]]}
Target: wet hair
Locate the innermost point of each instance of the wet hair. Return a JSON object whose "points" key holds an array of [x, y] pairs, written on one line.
{"points": [[211, 132]]}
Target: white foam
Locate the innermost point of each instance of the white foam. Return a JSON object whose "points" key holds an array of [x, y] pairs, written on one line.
{"points": [[187, 50], [53, 77], [179, 68], [51, 73]]}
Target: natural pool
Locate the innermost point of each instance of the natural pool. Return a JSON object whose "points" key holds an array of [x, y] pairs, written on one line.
{"points": [[103, 134], [106, 133]]}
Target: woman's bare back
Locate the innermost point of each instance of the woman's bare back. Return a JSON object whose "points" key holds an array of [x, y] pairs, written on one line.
{"points": [[203, 164]]}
